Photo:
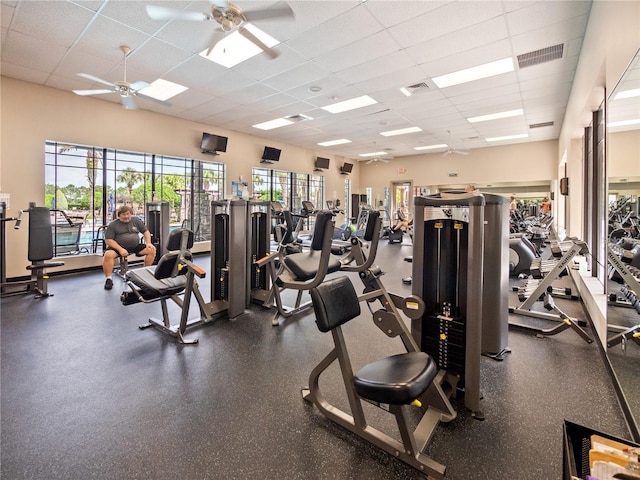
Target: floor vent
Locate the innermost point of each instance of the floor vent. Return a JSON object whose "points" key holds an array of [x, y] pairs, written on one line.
{"points": [[541, 56]]}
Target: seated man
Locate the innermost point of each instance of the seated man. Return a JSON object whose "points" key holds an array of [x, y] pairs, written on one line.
{"points": [[122, 237]]}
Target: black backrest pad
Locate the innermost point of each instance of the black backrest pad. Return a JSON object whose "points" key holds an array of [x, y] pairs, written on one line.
{"points": [[167, 263], [40, 235], [334, 302], [323, 217], [371, 225], [175, 237]]}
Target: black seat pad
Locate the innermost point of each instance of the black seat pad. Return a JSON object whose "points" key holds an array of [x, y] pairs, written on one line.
{"points": [[305, 265], [151, 287], [396, 380]]}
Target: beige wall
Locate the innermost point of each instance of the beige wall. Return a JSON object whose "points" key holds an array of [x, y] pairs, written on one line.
{"points": [[32, 114]]}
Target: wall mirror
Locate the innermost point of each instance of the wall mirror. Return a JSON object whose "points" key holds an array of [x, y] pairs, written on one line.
{"points": [[623, 282]]}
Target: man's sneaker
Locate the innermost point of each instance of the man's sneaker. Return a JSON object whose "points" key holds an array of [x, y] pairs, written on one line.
{"points": [[108, 285]]}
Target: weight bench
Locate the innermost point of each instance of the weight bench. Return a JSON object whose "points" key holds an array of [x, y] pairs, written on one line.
{"points": [[174, 275], [392, 383]]}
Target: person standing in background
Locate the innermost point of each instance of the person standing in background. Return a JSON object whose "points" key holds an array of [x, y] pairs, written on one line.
{"points": [[513, 206], [546, 205]]}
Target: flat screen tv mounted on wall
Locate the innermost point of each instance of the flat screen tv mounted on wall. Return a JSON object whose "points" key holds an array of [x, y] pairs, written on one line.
{"points": [[213, 143], [322, 162], [346, 168], [271, 154]]}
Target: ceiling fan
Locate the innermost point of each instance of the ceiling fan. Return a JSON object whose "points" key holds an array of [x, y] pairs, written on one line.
{"points": [[378, 158], [451, 149], [228, 16], [126, 90]]}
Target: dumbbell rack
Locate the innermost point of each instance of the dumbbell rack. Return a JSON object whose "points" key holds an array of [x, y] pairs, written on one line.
{"points": [[538, 289]]}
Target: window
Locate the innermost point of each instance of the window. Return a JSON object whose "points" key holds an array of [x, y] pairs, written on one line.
{"points": [[90, 183]]}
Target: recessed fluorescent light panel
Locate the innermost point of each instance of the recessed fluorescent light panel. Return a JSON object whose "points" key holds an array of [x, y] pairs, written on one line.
{"points": [[431, 147], [627, 94], [496, 116], [372, 154], [271, 124], [507, 137], [475, 73], [402, 131], [235, 48], [331, 143], [359, 102], [163, 90]]}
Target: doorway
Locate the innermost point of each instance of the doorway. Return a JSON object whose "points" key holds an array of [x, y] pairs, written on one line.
{"points": [[401, 197]]}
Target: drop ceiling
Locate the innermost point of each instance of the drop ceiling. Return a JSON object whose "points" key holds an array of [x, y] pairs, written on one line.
{"points": [[346, 49]]}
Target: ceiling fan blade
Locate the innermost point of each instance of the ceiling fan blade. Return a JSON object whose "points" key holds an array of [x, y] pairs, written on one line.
{"points": [[383, 160], [147, 97], [138, 86], [128, 102], [164, 13], [461, 152], [253, 39], [91, 92], [370, 161], [267, 13], [95, 79]]}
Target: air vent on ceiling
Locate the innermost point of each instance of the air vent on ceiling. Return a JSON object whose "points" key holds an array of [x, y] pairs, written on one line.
{"points": [[539, 125], [298, 118], [415, 89], [541, 56]]}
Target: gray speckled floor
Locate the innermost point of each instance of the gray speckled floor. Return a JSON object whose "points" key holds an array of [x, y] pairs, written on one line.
{"points": [[86, 395]]}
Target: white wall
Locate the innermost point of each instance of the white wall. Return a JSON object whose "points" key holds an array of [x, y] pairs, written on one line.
{"points": [[32, 114]]}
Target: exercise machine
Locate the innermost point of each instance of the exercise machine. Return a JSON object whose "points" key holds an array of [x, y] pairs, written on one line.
{"points": [[534, 290], [448, 248], [393, 384], [173, 278], [40, 252]]}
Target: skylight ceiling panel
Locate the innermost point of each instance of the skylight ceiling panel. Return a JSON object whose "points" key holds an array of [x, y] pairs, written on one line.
{"points": [[369, 48], [539, 14], [26, 51], [353, 25], [449, 18], [54, 23], [394, 62], [488, 32]]}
